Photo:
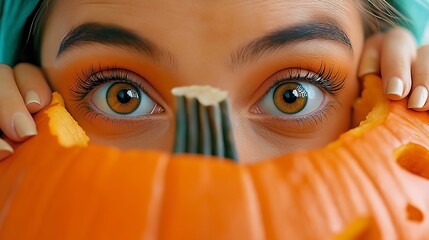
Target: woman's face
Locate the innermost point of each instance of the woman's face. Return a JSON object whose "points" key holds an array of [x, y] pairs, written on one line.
{"points": [[289, 67]]}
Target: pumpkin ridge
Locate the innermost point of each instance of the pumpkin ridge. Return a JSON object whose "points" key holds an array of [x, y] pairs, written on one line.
{"points": [[350, 204], [395, 179], [380, 204], [369, 191], [8, 202], [327, 203], [258, 224], [93, 173], [49, 190], [323, 163], [48, 195], [158, 208], [407, 123]]}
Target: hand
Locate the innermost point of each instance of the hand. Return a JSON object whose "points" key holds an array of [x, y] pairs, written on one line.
{"points": [[404, 68], [23, 90]]}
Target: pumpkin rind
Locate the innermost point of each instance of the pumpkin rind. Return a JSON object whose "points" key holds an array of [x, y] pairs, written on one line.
{"points": [[352, 188]]}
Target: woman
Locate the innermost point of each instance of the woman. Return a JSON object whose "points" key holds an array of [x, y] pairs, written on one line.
{"points": [[290, 68]]}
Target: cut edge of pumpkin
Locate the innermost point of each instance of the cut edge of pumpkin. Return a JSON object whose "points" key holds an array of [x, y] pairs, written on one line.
{"points": [[63, 126], [369, 110], [372, 107], [360, 228], [414, 159]]}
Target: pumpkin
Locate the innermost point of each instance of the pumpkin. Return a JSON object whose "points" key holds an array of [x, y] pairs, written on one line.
{"points": [[371, 183]]}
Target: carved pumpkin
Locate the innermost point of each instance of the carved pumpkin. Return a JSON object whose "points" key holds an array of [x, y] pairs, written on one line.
{"points": [[371, 183]]}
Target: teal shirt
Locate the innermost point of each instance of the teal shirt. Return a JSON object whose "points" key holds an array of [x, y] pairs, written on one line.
{"points": [[14, 13], [417, 12]]}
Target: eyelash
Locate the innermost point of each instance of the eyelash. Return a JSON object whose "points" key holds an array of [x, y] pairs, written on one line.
{"points": [[93, 77], [327, 78]]}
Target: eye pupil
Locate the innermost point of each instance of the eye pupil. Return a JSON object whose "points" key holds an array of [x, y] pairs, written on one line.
{"points": [[290, 96], [125, 95]]}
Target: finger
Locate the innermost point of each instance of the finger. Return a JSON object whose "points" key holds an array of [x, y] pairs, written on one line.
{"points": [[5, 149], [33, 86], [15, 120], [398, 53], [419, 95], [370, 59]]}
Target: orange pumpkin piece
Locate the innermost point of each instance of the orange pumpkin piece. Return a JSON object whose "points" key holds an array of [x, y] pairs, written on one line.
{"points": [[371, 183]]}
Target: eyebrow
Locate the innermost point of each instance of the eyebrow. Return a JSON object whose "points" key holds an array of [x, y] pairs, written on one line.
{"points": [[278, 39], [90, 33]]}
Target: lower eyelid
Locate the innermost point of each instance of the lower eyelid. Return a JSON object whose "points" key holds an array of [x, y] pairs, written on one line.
{"points": [[85, 115], [310, 122]]}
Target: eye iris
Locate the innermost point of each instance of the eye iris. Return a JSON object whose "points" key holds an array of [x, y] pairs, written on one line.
{"points": [[123, 98], [290, 98]]}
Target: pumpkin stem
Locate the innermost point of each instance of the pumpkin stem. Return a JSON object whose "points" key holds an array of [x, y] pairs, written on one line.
{"points": [[203, 124]]}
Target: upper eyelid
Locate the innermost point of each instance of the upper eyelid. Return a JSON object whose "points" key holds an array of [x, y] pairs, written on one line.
{"points": [[89, 78], [330, 82], [113, 73]]}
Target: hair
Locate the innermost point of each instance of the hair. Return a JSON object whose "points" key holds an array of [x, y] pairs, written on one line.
{"points": [[377, 15], [34, 30]]}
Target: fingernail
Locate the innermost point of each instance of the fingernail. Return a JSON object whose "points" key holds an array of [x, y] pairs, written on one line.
{"points": [[370, 63], [418, 97], [31, 97], [5, 149], [24, 126], [395, 87]]}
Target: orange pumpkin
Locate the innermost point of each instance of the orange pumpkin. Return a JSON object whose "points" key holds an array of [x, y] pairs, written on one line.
{"points": [[371, 183]]}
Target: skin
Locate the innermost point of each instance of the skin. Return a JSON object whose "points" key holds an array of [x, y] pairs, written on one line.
{"points": [[197, 39]]}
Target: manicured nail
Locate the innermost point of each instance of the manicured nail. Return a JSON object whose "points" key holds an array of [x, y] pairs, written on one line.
{"points": [[31, 97], [370, 63], [24, 126], [395, 87], [5, 149], [418, 97]]}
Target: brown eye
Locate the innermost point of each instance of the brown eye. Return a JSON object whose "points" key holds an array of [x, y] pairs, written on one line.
{"points": [[290, 98], [123, 98]]}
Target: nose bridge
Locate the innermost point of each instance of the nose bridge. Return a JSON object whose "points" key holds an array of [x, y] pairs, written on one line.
{"points": [[205, 65], [202, 46]]}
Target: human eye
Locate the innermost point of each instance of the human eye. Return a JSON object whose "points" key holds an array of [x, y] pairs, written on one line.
{"points": [[292, 98], [122, 99], [300, 97], [115, 94]]}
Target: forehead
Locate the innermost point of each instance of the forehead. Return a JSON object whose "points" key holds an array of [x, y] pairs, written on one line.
{"points": [[203, 12], [195, 28]]}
